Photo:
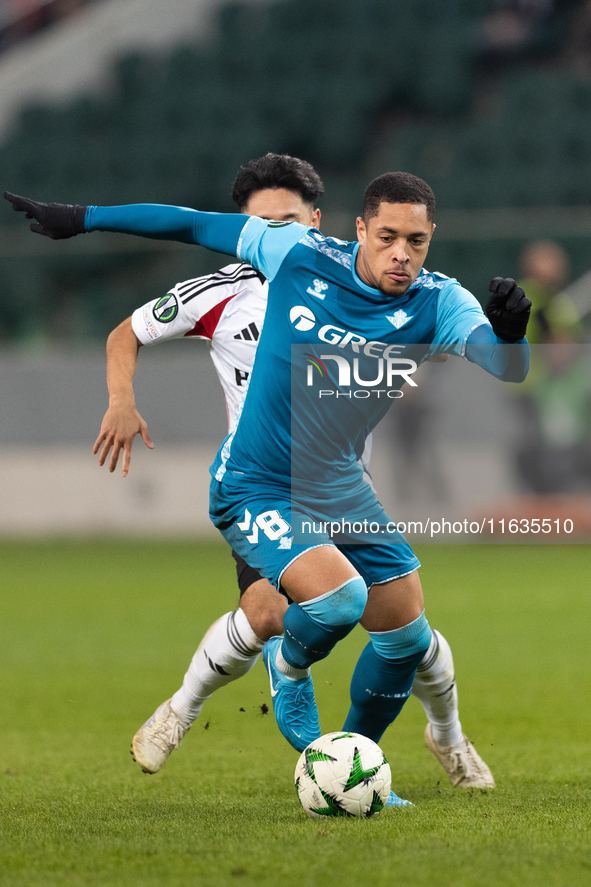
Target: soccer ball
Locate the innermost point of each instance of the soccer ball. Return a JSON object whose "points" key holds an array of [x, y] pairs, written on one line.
{"points": [[342, 774]]}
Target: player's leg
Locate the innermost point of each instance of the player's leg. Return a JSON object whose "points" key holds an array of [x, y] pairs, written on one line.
{"points": [[328, 597], [399, 638], [435, 687], [327, 594], [228, 650], [232, 645], [434, 681], [261, 603]]}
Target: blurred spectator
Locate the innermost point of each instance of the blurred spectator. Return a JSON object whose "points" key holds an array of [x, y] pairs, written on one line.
{"points": [[518, 29], [546, 268], [556, 454]]}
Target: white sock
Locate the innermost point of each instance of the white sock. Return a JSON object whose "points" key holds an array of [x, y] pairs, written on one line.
{"points": [[435, 688], [229, 649], [296, 674]]}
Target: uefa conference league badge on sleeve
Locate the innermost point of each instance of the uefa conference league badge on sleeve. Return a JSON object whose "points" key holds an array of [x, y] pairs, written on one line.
{"points": [[166, 309], [163, 310]]}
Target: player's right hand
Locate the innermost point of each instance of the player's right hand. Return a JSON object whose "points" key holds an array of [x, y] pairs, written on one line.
{"points": [[508, 309], [55, 220], [118, 430]]}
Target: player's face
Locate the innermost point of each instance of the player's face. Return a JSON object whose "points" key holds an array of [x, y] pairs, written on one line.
{"points": [[282, 205], [393, 246]]}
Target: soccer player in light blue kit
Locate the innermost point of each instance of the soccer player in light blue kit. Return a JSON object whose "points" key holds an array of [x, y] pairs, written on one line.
{"points": [[375, 302]]}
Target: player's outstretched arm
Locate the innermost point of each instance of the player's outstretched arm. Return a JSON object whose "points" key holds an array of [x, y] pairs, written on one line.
{"points": [[262, 243], [122, 421], [55, 220], [216, 231]]}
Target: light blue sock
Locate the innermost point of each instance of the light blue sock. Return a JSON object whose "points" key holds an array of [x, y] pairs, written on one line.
{"points": [[383, 677]]}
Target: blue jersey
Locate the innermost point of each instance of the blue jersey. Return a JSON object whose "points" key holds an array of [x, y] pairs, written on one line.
{"points": [[320, 314]]}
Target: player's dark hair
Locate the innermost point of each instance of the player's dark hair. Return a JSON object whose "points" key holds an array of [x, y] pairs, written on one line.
{"points": [[397, 187], [277, 171]]}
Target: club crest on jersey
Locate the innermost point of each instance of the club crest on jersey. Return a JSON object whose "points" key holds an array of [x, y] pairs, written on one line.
{"points": [[166, 309], [398, 319], [319, 290]]}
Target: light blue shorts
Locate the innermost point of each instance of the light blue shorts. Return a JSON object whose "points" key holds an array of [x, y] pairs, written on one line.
{"points": [[260, 523]]}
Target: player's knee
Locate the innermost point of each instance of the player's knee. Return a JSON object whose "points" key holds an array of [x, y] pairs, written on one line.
{"points": [[341, 606], [264, 608], [267, 623], [410, 640]]}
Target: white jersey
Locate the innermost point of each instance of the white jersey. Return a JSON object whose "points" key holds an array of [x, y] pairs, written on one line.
{"points": [[227, 309]]}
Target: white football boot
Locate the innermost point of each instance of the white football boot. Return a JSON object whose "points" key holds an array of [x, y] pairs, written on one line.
{"points": [[463, 764], [157, 738]]}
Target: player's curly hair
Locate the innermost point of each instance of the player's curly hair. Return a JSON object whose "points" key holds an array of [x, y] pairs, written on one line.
{"points": [[397, 187], [277, 171]]}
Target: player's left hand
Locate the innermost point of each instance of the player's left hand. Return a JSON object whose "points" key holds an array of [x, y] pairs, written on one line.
{"points": [[119, 427], [508, 309], [55, 220]]}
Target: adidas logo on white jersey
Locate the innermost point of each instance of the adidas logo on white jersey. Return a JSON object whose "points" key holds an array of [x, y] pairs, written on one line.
{"points": [[249, 333]]}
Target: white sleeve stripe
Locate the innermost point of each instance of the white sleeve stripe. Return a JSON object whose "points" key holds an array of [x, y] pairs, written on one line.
{"points": [[187, 297], [217, 275], [216, 294], [187, 284], [181, 288]]}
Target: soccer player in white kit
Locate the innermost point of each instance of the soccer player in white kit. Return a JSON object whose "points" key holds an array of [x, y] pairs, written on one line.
{"points": [[227, 309]]}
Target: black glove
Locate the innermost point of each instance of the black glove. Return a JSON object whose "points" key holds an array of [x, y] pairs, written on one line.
{"points": [[507, 309], [55, 220]]}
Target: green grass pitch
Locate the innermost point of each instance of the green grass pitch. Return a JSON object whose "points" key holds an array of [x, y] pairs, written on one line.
{"points": [[94, 635]]}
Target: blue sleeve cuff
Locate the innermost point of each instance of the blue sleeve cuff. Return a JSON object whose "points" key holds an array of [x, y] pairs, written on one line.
{"points": [[216, 231], [507, 361]]}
